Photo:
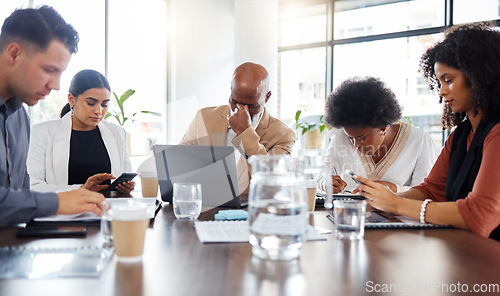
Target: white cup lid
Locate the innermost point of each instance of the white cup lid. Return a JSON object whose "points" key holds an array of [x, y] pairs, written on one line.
{"points": [[147, 174], [311, 183], [129, 211]]}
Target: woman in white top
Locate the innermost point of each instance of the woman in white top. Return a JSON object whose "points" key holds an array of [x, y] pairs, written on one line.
{"points": [[370, 140], [79, 149]]}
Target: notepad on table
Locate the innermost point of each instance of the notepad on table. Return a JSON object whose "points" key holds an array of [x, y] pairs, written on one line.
{"points": [[235, 232]]}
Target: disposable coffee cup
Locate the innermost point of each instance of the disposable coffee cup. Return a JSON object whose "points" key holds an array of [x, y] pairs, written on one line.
{"points": [[149, 184], [129, 222], [311, 194]]}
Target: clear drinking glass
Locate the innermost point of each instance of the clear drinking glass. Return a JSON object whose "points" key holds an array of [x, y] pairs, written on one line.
{"points": [[187, 200], [107, 235], [277, 207], [349, 216], [317, 175]]}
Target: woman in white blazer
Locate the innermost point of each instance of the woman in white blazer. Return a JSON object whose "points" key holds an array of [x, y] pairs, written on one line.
{"points": [[79, 149]]}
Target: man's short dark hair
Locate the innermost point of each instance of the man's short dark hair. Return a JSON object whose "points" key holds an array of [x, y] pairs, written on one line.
{"points": [[38, 27]]}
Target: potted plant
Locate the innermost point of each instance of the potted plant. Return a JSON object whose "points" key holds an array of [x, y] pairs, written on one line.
{"points": [[121, 117], [312, 132]]}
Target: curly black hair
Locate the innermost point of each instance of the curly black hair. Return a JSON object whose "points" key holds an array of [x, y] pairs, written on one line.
{"points": [[362, 102], [473, 49]]}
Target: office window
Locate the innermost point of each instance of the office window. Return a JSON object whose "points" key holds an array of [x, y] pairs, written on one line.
{"points": [[355, 18], [302, 81], [136, 59], [395, 61], [88, 18], [381, 38], [466, 11], [302, 23]]}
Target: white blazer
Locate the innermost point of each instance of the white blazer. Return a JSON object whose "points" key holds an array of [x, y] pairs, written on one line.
{"points": [[48, 154]]}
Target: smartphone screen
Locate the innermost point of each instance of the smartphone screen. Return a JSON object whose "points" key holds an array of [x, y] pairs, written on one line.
{"points": [[122, 178], [352, 176]]}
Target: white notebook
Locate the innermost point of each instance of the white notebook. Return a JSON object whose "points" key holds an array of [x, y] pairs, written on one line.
{"points": [[235, 232], [89, 216]]}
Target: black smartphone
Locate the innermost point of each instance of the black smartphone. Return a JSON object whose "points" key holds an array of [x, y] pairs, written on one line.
{"points": [[46, 232], [122, 178]]}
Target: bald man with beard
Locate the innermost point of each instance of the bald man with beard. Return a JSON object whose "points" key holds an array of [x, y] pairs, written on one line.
{"points": [[244, 123]]}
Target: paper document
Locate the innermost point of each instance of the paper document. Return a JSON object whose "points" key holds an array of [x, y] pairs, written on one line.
{"points": [[89, 216], [235, 232]]}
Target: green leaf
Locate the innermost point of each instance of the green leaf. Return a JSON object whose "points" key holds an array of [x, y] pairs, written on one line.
{"points": [[126, 95], [151, 112], [408, 118], [116, 98], [120, 105], [297, 116], [311, 127]]}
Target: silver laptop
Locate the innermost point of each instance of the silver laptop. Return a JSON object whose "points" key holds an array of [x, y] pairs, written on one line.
{"points": [[214, 167]]}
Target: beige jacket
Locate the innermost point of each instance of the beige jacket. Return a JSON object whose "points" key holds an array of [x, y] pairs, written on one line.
{"points": [[210, 126]]}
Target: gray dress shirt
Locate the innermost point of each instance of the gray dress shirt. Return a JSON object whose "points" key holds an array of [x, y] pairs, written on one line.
{"points": [[18, 204]]}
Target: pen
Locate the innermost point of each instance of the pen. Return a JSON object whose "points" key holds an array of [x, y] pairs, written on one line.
{"points": [[330, 217], [334, 172]]}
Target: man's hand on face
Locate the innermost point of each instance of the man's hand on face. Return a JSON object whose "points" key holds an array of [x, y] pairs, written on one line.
{"points": [[239, 119]]}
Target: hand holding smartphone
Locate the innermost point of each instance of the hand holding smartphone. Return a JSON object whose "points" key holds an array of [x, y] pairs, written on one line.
{"points": [[356, 195], [122, 178], [352, 174]]}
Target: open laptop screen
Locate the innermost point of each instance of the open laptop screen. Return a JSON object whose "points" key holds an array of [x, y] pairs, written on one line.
{"points": [[214, 167]]}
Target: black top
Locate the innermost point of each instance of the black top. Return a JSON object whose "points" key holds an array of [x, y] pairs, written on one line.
{"points": [[464, 164], [87, 156]]}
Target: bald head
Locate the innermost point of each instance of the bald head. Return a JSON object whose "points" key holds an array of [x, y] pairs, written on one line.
{"points": [[251, 76], [250, 86]]}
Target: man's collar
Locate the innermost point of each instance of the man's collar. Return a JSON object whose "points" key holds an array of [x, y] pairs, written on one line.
{"points": [[257, 118], [12, 104], [264, 121]]}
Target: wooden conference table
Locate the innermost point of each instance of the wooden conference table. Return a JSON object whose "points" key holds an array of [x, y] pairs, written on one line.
{"points": [[385, 262]]}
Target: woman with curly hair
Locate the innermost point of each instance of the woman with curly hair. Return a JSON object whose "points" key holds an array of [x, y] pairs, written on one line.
{"points": [[462, 188], [370, 140]]}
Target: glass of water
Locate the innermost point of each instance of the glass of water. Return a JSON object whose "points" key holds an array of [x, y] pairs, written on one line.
{"points": [[187, 200], [349, 216], [106, 225]]}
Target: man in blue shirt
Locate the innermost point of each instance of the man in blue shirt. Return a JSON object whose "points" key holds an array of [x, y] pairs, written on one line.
{"points": [[35, 48]]}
